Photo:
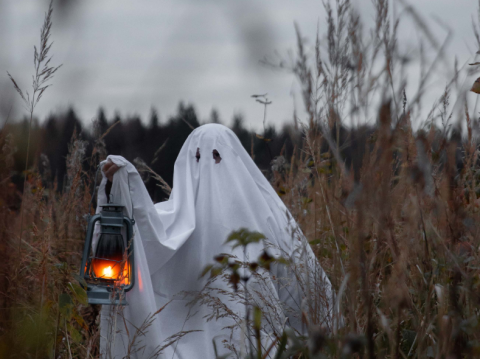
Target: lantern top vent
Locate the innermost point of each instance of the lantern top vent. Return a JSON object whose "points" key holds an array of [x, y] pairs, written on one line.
{"points": [[112, 207]]}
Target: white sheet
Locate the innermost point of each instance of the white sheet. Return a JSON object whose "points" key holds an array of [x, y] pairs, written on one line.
{"points": [[176, 239]]}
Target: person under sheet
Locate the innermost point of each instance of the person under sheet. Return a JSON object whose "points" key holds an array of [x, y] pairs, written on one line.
{"points": [[217, 189]]}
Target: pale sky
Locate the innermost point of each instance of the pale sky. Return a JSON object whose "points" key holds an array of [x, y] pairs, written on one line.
{"points": [[128, 56]]}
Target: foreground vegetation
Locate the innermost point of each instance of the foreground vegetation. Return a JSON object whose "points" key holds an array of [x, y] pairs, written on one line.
{"points": [[395, 225]]}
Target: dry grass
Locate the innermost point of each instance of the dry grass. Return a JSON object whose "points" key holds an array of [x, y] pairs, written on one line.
{"points": [[402, 233], [397, 231]]}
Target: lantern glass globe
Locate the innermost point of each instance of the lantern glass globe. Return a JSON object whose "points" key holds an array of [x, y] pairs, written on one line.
{"points": [[108, 261]]}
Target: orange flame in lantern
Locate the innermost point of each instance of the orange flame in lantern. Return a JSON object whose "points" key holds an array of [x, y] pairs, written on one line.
{"points": [[119, 272], [107, 272]]}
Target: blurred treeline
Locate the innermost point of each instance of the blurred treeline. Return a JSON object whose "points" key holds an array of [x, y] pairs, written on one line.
{"points": [[155, 142]]}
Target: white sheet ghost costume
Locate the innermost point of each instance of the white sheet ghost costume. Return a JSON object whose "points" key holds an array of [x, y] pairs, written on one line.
{"points": [[174, 240]]}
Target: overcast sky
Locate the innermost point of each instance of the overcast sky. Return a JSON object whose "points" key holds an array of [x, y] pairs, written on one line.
{"points": [[128, 56]]}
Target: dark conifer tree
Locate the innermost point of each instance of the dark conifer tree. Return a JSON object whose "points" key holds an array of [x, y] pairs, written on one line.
{"points": [[102, 121], [134, 134], [214, 116], [69, 123], [243, 134], [50, 142], [154, 120], [115, 140]]}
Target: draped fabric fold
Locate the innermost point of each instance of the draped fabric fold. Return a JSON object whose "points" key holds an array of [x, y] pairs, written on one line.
{"points": [[217, 189]]}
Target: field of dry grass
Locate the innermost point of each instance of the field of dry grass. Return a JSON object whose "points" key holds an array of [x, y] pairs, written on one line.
{"points": [[397, 232]]}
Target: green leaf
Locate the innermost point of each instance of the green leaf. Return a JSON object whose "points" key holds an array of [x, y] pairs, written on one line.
{"points": [[263, 138], [408, 338], [306, 200], [234, 266], [243, 237], [257, 318], [253, 266], [65, 305], [79, 319], [282, 260], [61, 265], [74, 334], [265, 259], [80, 280], [221, 258], [205, 270], [215, 272], [282, 346], [79, 293]]}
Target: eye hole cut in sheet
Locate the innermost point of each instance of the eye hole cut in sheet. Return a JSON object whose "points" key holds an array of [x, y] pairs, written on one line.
{"points": [[197, 156], [216, 156]]}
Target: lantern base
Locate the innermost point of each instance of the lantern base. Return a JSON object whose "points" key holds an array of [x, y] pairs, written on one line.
{"points": [[100, 295]]}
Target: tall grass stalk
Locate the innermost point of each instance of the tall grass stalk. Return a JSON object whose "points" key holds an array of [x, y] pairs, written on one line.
{"points": [[43, 74]]}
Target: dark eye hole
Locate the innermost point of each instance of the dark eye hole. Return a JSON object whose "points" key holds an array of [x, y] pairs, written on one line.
{"points": [[216, 156], [197, 156]]}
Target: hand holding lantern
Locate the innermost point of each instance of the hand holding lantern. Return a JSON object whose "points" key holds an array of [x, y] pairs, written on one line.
{"points": [[109, 169]]}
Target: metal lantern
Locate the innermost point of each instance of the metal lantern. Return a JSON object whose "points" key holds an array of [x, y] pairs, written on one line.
{"points": [[108, 269]]}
